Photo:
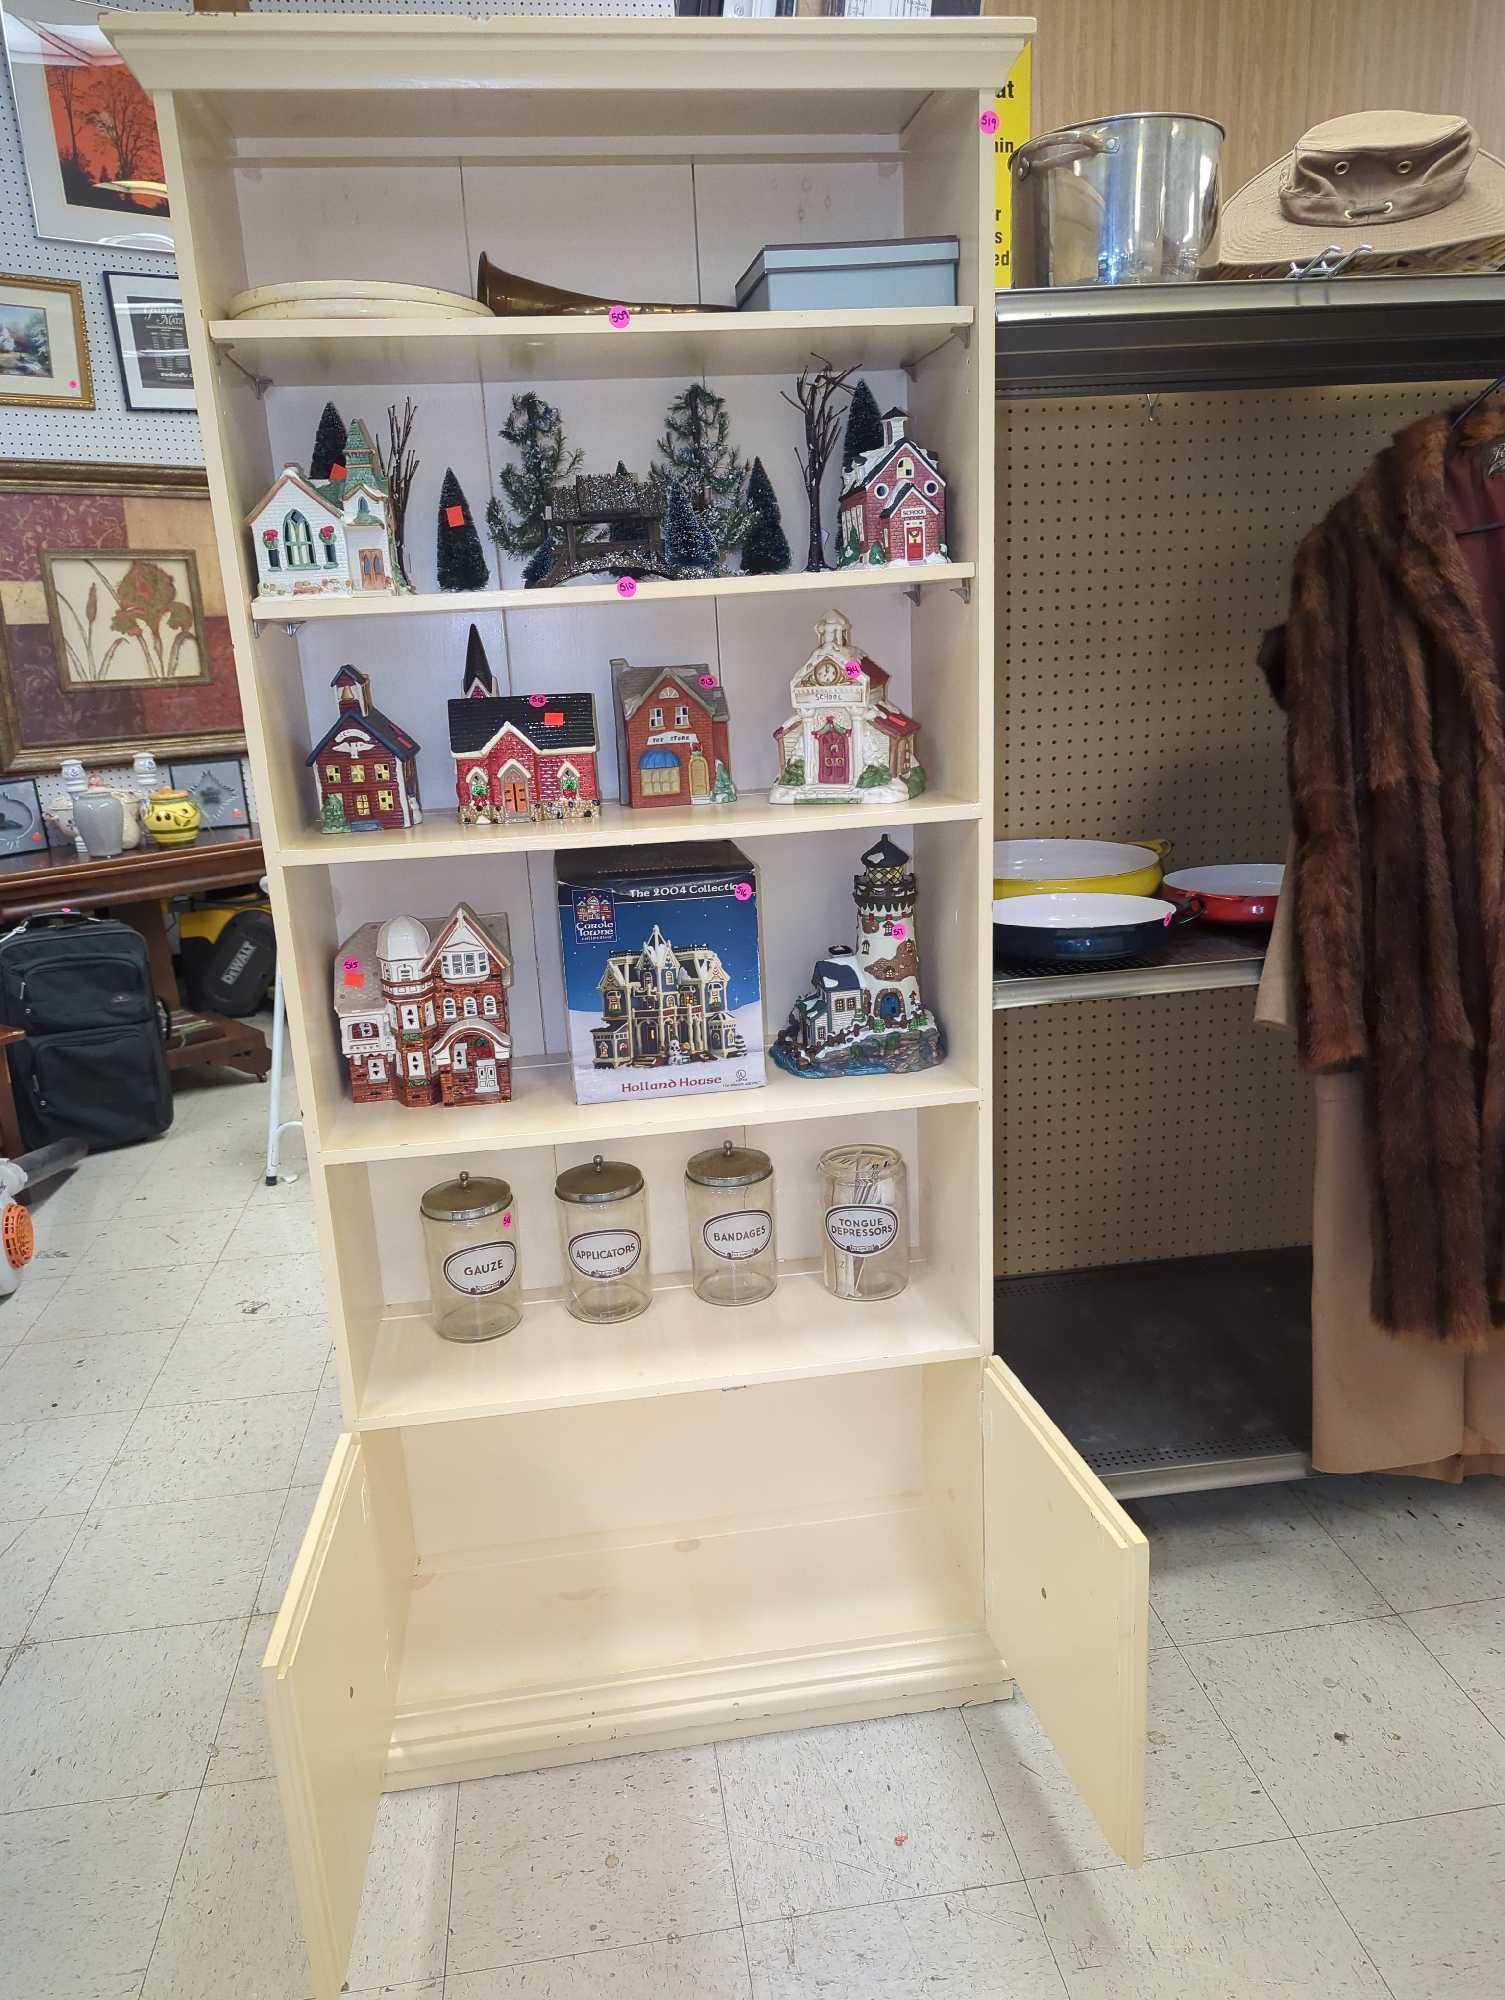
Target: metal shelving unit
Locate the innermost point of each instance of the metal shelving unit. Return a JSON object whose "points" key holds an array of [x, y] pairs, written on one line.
{"points": [[1198, 961]]}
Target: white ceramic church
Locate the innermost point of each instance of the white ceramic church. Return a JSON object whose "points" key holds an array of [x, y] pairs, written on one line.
{"points": [[844, 739], [328, 537]]}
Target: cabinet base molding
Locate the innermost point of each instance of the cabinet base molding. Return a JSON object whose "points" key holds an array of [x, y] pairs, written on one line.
{"points": [[489, 1736]]}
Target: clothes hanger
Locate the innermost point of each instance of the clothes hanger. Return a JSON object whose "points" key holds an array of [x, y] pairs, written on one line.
{"points": [[1475, 403]]}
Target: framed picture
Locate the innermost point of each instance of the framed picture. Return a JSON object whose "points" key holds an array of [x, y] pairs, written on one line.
{"points": [[113, 634], [88, 130], [217, 785], [151, 341], [22, 828], [44, 353]]}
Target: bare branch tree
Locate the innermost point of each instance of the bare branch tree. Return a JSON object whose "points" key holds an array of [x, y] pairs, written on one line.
{"points": [[815, 394], [124, 121], [400, 464]]}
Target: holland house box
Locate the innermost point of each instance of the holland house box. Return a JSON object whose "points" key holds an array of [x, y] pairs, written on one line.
{"points": [[661, 970]]}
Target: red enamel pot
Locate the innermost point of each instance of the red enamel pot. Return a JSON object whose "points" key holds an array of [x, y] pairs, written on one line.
{"points": [[1233, 892]]}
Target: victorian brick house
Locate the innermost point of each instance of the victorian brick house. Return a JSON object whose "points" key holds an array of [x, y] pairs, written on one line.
{"points": [[664, 1005], [423, 1016], [671, 734], [366, 761], [521, 756]]}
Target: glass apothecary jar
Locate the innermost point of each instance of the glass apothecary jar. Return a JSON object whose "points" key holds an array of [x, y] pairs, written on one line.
{"points": [[470, 1241], [729, 1195], [865, 1235], [603, 1238]]}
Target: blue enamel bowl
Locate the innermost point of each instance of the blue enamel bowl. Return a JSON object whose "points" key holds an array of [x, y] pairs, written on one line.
{"points": [[1067, 929]]}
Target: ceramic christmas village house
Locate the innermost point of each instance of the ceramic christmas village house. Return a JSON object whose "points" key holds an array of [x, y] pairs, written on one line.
{"points": [[672, 746], [844, 739], [521, 756], [893, 502], [328, 537], [423, 1010], [364, 765], [863, 1015]]}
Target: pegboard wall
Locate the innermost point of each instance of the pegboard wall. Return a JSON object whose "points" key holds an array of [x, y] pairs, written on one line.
{"points": [[1146, 546]]}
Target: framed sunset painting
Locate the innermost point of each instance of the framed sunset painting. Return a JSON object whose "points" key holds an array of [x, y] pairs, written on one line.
{"points": [[88, 130], [113, 633]]}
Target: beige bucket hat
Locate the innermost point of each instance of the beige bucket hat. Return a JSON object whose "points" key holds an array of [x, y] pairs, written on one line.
{"points": [[1413, 184]]}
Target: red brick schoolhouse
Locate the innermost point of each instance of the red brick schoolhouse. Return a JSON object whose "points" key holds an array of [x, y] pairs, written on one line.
{"points": [[366, 760]]}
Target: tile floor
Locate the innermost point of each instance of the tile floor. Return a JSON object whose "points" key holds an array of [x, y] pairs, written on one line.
{"points": [[1327, 1725]]}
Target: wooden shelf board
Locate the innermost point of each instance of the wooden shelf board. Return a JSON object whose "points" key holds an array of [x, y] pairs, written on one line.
{"points": [[543, 1112], [1199, 960], [303, 353], [552, 1361], [751, 818], [651, 590]]}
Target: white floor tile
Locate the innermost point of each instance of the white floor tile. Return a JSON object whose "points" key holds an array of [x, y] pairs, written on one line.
{"points": [[263, 1288], [242, 1746], [1199, 1790], [324, 1428], [215, 1361], [1426, 1899], [140, 1243], [712, 1967], [133, 1568], [21, 1309], [105, 1303], [1249, 1560], [114, 1717], [976, 1944], [292, 1526], [624, 1851], [81, 1378], [83, 1889], [95, 1192], [1469, 1641], [231, 1930], [1419, 1542], [31, 1554], [1249, 1923], [264, 1230], [404, 1921], [187, 1182], [188, 1451], [55, 1465], [823, 1819], [1348, 1725]]}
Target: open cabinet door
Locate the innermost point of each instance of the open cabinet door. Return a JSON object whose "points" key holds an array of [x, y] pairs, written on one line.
{"points": [[1068, 1603], [330, 1680]]}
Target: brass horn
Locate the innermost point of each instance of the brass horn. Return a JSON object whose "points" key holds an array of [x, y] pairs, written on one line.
{"points": [[508, 295]]}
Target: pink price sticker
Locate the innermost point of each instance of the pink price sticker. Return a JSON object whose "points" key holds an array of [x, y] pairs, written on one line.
{"points": [[988, 123], [620, 317], [538, 701], [507, 1220], [743, 892], [854, 670], [350, 965], [627, 586], [707, 680], [900, 931]]}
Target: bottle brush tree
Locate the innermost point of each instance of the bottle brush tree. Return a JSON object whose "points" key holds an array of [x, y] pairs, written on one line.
{"points": [[329, 443], [723, 791], [864, 431], [689, 546], [765, 551], [518, 520], [696, 449], [332, 814], [461, 563]]}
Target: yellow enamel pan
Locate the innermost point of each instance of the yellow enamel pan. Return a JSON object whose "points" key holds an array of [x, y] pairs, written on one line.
{"points": [[1109, 867]]}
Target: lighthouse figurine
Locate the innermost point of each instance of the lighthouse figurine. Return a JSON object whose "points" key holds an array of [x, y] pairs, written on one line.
{"points": [[863, 1014]]}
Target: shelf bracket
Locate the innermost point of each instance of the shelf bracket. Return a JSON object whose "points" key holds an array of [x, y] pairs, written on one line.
{"points": [[912, 592], [292, 627], [260, 383], [963, 590], [961, 333]]}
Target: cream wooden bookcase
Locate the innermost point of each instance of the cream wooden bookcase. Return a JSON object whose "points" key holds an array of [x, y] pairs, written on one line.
{"points": [[571, 1542]]}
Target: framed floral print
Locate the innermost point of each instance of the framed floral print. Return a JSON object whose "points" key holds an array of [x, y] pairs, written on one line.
{"points": [[44, 352], [88, 130], [113, 634]]}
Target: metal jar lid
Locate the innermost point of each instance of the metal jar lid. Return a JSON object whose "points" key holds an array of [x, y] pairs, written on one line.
{"points": [[600, 1180], [728, 1166], [466, 1199]]}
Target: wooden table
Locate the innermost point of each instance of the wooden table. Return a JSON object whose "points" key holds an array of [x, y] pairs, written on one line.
{"points": [[133, 887]]}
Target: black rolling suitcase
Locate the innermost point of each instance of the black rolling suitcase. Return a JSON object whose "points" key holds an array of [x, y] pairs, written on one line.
{"points": [[92, 1066]]}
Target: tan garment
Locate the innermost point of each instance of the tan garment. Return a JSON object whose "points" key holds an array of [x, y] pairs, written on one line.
{"points": [[1379, 1403]]}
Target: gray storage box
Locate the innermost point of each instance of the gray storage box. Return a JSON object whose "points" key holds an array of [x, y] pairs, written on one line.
{"points": [[795, 277]]}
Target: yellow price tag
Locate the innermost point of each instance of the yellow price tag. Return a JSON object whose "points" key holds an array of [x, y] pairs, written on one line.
{"points": [[1012, 105]]}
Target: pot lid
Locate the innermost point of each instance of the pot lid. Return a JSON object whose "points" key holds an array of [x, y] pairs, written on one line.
{"points": [[598, 1180], [466, 1199], [728, 1166]]}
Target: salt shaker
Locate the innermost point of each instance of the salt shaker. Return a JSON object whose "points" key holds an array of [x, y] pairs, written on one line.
{"points": [[603, 1237], [865, 1197], [729, 1195], [470, 1241]]}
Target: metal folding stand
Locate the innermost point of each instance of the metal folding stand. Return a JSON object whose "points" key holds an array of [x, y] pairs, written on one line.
{"points": [[276, 1124]]}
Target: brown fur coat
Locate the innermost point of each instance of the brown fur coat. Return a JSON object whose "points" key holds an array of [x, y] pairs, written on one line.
{"points": [[1396, 752]]}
